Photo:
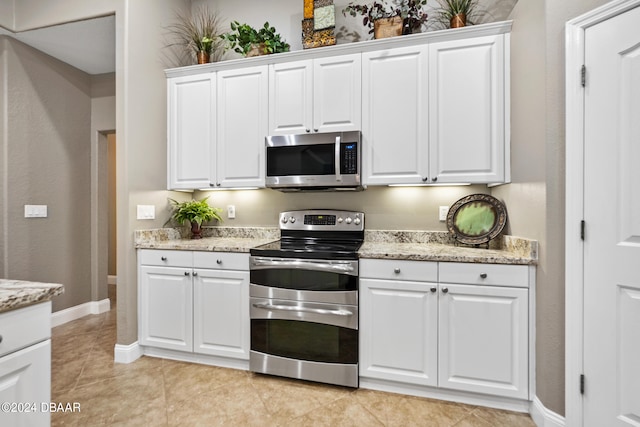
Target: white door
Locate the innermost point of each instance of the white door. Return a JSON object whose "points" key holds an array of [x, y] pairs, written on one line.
{"points": [[394, 116], [221, 313], [241, 127], [612, 218], [191, 115], [466, 80]]}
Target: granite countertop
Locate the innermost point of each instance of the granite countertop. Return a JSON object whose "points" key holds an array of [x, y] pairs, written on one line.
{"points": [[19, 293], [215, 239], [380, 244], [439, 246]]}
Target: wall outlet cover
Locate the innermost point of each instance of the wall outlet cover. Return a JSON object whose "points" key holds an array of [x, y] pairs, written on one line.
{"points": [[443, 212]]}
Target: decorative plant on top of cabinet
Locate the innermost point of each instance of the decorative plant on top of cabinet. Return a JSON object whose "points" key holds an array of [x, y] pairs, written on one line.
{"points": [[386, 19], [457, 13], [247, 41], [198, 34]]}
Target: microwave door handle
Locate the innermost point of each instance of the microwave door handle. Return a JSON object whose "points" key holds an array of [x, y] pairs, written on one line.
{"points": [[338, 166]]}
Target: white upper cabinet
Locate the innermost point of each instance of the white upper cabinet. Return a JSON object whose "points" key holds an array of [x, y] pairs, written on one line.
{"points": [[191, 109], [315, 95], [467, 110], [394, 116], [242, 121]]}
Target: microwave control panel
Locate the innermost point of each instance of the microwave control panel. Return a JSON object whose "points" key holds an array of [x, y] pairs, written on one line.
{"points": [[349, 158]]}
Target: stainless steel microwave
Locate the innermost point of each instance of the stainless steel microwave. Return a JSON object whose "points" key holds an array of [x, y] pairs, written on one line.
{"points": [[314, 161]]}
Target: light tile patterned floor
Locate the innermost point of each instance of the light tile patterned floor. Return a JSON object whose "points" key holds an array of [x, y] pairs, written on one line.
{"points": [[157, 392]]}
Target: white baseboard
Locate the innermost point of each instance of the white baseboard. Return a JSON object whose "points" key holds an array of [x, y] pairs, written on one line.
{"points": [[112, 280], [72, 313], [543, 417], [127, 353]]}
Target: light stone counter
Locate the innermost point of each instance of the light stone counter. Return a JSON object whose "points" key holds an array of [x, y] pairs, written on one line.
{"points": [[439, 246], [18, 293], [215, 239], [381, 244]]}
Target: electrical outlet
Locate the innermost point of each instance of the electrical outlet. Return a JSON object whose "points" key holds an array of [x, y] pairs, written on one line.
{"points": [[231, 211], [35, 211], [443, 211]]}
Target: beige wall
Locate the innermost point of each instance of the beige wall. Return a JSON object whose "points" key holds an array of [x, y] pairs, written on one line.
{"points": [[47, 119]]}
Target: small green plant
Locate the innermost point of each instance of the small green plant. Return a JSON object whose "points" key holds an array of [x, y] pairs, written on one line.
{"points": [[194, 211], [243, 38]]}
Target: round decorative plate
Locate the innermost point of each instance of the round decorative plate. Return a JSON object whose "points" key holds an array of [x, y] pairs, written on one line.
{"points": [[476, 219]]}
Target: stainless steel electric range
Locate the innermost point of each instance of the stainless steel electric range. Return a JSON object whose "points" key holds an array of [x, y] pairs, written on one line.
{"points": [[304, 298]]}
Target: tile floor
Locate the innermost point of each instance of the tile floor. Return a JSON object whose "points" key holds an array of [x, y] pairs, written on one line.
{"points": [[156, 392]]}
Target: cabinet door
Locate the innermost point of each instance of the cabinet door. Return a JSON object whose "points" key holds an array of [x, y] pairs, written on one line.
{"points": [[337, 93], [191, 114], [25, 379], [399, 331], [241, 127], [394, 116], [166, 307], [483, 342], [221, 313], [467, 110], [290, 98]]}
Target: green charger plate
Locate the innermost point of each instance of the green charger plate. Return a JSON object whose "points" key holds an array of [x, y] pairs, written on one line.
{"points": [[476, 219]]}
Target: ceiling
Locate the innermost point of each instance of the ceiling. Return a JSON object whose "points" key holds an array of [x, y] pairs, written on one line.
{"points": [[88, 45]]}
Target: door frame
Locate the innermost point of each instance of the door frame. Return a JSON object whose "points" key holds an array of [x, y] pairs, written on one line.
{"points": [[574, 200]]}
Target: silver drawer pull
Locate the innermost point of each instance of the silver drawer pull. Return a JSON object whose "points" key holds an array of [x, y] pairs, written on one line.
{"points": [[186, 273], [396, 270], [445, 290], [163, 258], [302, 309], [218, 261], [433, 289], [483, 275]]}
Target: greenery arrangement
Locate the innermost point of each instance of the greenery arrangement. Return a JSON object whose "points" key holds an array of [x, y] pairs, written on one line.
{"points": [[243, 39], [409, 10], [198, 32], [194, 211], [450, 10]]}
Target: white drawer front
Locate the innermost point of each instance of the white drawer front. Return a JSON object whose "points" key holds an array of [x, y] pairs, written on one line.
{"points": [[221, 260], [422, 271], [165, 258], [24, 327], [484, 274]]}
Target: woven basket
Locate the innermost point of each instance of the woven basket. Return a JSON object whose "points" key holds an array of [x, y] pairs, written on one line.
{"points": [[387, 27]]}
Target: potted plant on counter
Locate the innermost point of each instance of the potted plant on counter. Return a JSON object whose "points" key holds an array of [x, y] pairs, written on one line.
{"points": [[196, 212], [247, 41]]}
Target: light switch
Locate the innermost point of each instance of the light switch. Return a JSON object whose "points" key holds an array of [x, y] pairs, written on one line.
{"points": [[146, 212], [443, 212], [35, 211], [231, 211]]}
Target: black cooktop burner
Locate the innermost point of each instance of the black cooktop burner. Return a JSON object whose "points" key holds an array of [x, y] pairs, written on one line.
{"points": [[309, 248]]}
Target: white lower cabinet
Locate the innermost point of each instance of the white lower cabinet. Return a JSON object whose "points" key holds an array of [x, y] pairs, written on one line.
{"points": [[419, 327], [195, 302], [25, 366]]}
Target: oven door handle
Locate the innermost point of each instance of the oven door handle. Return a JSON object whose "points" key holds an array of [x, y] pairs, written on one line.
{"points": [[347, 267], [303, 309]]}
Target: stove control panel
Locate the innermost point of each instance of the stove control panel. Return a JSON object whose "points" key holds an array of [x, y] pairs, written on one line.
{"points": [[322, 219]]}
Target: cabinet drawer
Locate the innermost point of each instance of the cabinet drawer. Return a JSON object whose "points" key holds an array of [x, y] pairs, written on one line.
{"points": [[423, 271], [484, 274], [221, 260], [165, 258], [24, 327]]}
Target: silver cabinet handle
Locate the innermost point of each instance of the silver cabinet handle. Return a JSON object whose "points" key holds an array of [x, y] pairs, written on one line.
{"points": [[425, 179], [163, 258], [445, 290], [195, 273], [302, 309], [433, 289], [483, 275], [186, 273], [218, 261], [308, 130], [396, 270], [0, 338], [435, 178], [211, 184]]}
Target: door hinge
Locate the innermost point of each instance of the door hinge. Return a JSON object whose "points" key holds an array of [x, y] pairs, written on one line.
{"points": [[582, 226], [583, 75], [582, 384]]}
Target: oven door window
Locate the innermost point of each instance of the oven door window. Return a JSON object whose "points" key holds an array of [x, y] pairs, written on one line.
{"points": [[315, 342], [304, 280]]}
